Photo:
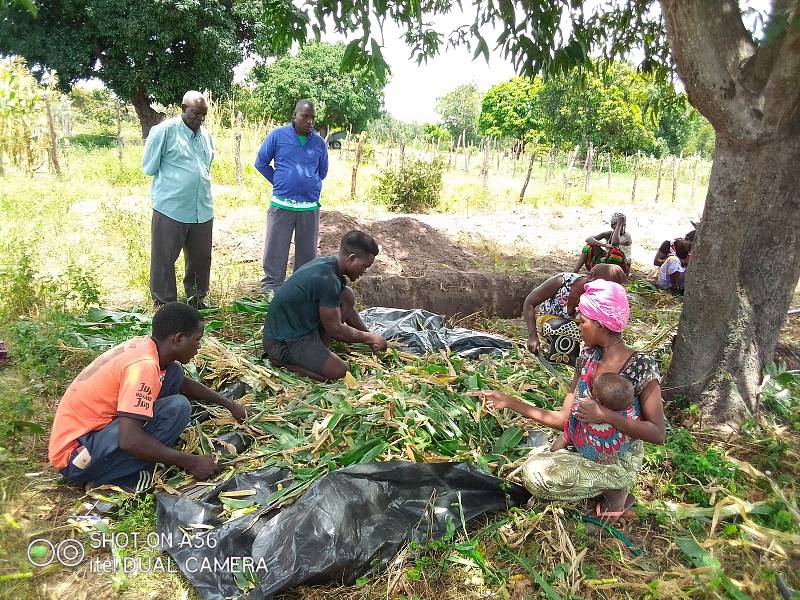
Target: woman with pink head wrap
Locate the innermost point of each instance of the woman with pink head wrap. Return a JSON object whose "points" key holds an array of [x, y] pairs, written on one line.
{"points": [[560, 474], [607, 303]]}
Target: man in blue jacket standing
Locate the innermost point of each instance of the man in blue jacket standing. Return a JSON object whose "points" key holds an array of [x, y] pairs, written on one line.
{"points": [[300, 159]]}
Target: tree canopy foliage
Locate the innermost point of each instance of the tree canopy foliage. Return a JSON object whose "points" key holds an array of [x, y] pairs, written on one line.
{"points": [[512, 109], [459, 110], [605, 109], [610, 108], [342, 99], [147, 51]]}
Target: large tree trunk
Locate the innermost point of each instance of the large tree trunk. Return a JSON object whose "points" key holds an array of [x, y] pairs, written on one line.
{"points": [[746, 259], [148, 116], [745, 266]]}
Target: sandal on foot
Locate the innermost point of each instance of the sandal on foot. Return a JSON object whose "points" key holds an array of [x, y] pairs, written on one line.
{"points": [[608, 514]]}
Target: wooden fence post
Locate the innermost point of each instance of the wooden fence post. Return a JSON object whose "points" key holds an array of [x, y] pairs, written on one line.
{"points": [[635, 175], [53, 139], [527, 176], [609, 170], [485, 165], [694, 176], [573, 156], [359, 149], [551, 160], [658, 183], [237, 148], [675, 168], [587, 167]]}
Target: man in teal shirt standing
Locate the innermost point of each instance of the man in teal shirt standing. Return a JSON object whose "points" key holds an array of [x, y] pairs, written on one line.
{"points": [[300, 158], [178, 154]]}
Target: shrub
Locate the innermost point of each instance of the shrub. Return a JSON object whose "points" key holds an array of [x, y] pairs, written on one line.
{"points": [[24, 291], [414, 187]]}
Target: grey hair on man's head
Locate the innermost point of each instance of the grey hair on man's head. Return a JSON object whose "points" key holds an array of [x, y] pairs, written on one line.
{"points": [[191, 97]]}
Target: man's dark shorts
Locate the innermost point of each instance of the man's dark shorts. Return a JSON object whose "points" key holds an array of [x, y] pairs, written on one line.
{"points": [[309, 351]]}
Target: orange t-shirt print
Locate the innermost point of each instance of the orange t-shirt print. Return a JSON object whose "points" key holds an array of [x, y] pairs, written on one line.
{"points": [[124, 380]]}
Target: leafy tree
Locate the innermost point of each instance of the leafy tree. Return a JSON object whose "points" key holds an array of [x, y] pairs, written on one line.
{"points": [[459, 111], [148, 51], [512, 110], [388, 130], [746, 84], [701, 138], [342, 99], [94, 107], [604, 108], [671, 115], [434, 133]]}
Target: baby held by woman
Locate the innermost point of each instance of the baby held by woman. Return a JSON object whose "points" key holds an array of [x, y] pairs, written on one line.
{"points": [[615, 393]]}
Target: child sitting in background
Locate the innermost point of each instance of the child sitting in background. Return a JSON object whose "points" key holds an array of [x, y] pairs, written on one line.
{"points": [[601, 442], [672, 272]]}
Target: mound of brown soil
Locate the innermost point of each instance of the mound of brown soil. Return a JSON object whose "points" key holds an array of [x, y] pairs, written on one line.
{"points": [[408, 247]]}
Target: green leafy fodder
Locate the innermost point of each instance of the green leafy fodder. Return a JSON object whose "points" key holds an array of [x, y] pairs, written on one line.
{"points": [[780, 394], [693, 471]]}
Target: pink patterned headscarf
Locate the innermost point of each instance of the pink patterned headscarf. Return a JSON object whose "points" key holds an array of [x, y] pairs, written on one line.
{"points": [[605, 302]]}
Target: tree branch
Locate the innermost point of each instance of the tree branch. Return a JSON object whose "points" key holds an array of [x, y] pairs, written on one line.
{"points": [[781, 92], [710, 44]]}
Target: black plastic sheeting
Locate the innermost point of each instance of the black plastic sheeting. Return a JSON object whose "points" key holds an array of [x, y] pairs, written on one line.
{"points": [[421, 332], [349, 523]]}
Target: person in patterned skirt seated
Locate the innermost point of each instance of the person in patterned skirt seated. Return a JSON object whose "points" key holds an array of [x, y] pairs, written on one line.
{"points": [[554, 332], [612, 246], [571, 476]]}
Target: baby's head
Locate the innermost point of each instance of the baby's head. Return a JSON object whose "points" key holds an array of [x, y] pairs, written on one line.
{"points": [[613, 391]]}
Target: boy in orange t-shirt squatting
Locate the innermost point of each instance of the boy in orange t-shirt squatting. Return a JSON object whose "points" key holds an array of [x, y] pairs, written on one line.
{"points": [[124, 411]]}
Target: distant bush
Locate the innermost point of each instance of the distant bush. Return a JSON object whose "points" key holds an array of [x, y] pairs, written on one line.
{"points": [[414, 187], [90, 141]]}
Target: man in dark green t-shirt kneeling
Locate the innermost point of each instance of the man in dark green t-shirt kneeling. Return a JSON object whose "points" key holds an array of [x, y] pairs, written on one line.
{"points": [[315, 306]]}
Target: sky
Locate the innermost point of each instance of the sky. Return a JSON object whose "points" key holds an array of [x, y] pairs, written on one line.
{"points": [[413, 89]]}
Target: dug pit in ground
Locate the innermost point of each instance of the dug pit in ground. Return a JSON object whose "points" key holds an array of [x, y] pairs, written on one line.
{"points": [[421, 267]]}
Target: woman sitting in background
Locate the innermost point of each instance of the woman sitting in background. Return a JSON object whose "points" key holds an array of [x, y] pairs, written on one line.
{"points": [[668, 248], [556, 300], [672, 272], [610, 247]]}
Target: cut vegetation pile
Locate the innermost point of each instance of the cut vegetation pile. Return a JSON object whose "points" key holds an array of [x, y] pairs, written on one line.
{"points": [[717, 517]]}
